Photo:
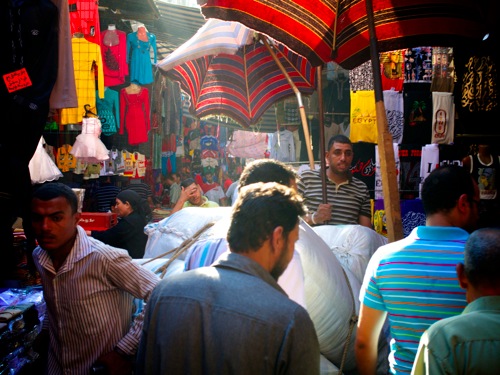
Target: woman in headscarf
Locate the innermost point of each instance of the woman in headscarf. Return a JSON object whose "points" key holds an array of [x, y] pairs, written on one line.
{"points": [[133, 213]]}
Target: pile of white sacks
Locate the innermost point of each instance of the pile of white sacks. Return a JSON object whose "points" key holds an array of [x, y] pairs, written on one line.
{"points": [[324, 276]]}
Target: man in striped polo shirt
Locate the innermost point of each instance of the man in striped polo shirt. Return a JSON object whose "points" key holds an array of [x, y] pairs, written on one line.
{"points": [[413, 282], [141, 188], [348, 197]]}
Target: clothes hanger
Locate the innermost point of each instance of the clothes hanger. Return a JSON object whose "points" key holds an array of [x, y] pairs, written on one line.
{"points": [[88, 112]]}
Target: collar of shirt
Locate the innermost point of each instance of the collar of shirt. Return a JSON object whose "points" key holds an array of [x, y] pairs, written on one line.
{"points": [[244, 264]]}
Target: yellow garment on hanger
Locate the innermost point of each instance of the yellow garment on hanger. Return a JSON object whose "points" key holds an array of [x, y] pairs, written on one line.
{"points": [[86, 58]]}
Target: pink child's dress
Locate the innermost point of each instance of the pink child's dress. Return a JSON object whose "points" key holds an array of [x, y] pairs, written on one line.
{"points": [[88, 146]]}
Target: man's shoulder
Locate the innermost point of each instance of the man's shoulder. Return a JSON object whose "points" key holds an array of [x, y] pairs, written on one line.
{"points": [[108, 188], [309, 175], [310, 172], [210, 204], [357, 182], [442, 330], [177, 284]]}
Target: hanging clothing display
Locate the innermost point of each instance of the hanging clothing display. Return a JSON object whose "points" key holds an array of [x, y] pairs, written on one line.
{"points": [[363, 117], [246, 144], [379, 194], [418, 64], [86, 57], [140, 165], [282, 146], [84, 17], [209, 142], [139, 57], [134, 114], [108, 110], [477, 90], [65, 160], [114, 56], [392, 70], [443, 69], [429, 162], [64, 92], [443, 119], [361, 77], [394, 111], [88, 146], [364, 164], [119, 160], [172, 106], [41, 166], [129, 163], [409, 174], [417, 101]]}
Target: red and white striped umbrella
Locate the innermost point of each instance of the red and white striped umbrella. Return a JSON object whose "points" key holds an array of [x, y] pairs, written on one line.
{"points": [[242, 86], [316, 28], [214, 37]]}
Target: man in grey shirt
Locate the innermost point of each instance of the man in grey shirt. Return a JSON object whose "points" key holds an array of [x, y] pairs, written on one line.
{"points": [[233, 317]]}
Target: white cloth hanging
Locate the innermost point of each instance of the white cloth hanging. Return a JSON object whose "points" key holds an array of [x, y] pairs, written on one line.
{"points": [[41, 166]]}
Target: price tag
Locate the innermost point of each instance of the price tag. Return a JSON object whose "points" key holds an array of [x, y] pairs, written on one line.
{"points": [[17, 80]]}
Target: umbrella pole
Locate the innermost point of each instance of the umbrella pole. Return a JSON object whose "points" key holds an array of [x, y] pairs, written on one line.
{"points": [[322, 150], [386, 151], [299, 100]]}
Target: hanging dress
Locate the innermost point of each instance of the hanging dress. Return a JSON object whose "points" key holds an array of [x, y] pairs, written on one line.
{"points": [[135, 115], [88, 146], [42, 167], [139, 58], [108, 110]]}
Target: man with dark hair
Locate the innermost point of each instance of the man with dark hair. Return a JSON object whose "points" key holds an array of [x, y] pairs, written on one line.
{"points": [[191, 196], [173, 181], [268, 170], [470, 342], [216, 313], [210, 188], [413, 281], [348, 197], [260, 170], [265, 170], [141, 188], [106, 193], [88, 287]]}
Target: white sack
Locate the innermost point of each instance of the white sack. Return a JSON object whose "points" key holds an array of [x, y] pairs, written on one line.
{"points": [[172, 231], [353, 245], [326, 367], [177, 266], [328, 298]]}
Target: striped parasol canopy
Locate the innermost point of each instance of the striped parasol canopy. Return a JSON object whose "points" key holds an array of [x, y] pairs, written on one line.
{"points": [[244, 85], [338, 29], [214, 37]]}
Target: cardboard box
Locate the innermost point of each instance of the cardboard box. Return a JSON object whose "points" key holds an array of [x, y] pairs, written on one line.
{"points": [[97, 220]]}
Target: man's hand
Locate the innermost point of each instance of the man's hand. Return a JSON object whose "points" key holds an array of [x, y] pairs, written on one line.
{"points": [[188, 192], [323, 214], [116, 364]]}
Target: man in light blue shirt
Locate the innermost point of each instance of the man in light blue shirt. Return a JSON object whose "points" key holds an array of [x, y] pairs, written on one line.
{"points": [[469, 343]]}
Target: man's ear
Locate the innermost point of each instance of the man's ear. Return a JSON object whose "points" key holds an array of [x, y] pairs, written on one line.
{"points": [[462, 277], [77, 217], [277, 237], [463, 202]]}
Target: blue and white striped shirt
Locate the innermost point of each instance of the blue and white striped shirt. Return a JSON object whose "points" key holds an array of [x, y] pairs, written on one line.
{"points": [[415, 281]]}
